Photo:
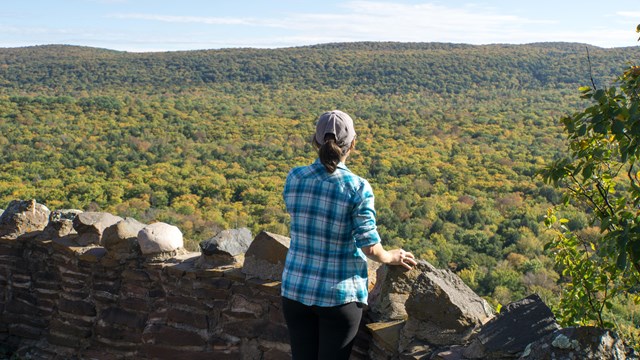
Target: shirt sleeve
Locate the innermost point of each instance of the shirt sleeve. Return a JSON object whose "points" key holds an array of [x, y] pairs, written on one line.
{"points": [[364, 217]]}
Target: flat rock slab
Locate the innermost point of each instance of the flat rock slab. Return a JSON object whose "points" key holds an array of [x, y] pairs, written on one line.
{"points": [[518, 324]]}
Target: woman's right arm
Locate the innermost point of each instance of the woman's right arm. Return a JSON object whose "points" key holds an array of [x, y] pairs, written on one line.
{"points": [[364, 218]]}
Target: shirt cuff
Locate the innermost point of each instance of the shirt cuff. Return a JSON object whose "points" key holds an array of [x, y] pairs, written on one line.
{"points": [[368, 238]]}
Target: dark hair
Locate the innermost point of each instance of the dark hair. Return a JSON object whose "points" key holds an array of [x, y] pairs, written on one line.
{"points": [[329, 152]]}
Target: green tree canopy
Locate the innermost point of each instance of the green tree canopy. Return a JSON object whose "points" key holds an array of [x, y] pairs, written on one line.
{"points": [[601, 174]]}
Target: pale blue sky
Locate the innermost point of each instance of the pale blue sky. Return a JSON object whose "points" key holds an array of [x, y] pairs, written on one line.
{"points": [[162, 25]]}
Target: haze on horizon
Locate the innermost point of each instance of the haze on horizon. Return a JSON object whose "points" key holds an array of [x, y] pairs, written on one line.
{"points": [[146, 25]]}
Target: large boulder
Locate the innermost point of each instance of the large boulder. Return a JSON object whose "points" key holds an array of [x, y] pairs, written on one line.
{"points": [[159, 238], [121, 239], [21, 217], [91, 225], [226, 248], [266, 256], [579, 343], [392, 289], [508, 334], [442, 310]]}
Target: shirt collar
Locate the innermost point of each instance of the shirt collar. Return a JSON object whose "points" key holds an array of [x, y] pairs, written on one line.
{"points": [[341, 165]]}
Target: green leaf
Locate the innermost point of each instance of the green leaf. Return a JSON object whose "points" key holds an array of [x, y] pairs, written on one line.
{"points": [[623, 239], [587, 171], [624, 153], [599, 95], [608, 324], [617, 127], [621, 263], [600, 127], [582, 130], [608, 305]]}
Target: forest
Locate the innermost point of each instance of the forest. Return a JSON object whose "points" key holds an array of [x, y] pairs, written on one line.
{"points": [[451, 137]]}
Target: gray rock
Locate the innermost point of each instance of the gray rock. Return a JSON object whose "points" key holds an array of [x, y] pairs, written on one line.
{"points": [[440, 297], [61, 223], [442, 309], [392, 288], [160, 237], [226, 248], [91, 225], [228, 242], [579, 343], [23, 216], [452, 353], [266, 256], [517, 325], [122, 237]]}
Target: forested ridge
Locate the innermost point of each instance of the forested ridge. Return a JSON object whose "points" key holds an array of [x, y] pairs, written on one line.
{"points": [[450, 136], [377, 68]]}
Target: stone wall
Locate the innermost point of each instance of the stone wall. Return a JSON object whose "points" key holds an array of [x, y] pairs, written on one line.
{"points": [[82, 285], [78, 302], [61, 300]]}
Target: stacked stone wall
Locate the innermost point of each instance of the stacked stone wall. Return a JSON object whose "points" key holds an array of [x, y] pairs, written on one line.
{"points": [[61, 301], [81, 285]]}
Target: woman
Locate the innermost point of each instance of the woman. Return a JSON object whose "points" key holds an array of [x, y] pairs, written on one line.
{"points": [[333, 231]]}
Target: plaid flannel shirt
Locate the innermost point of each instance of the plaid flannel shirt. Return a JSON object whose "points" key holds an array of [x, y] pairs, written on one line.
{"points": [[332, 217]]}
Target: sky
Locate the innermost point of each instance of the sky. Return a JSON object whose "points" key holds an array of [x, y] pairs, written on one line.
{"points": [[163, 25]]}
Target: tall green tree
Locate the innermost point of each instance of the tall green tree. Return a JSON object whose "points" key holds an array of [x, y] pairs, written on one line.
{"points": [[601, 173]]}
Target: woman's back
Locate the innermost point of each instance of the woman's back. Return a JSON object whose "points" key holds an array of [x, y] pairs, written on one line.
{"points": [[326, 266]]}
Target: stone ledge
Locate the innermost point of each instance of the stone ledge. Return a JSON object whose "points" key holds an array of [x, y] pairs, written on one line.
{"points": [[386, 335], [268, 286]]}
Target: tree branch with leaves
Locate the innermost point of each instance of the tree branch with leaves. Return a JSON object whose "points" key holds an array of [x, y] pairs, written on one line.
{"points": [[601, 174]]}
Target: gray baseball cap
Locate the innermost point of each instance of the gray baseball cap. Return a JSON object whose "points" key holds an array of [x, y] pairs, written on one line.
{"points": [[338, 123]]}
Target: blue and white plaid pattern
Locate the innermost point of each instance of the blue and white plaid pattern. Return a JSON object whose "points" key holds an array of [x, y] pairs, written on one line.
{"points": [[332, 217]]}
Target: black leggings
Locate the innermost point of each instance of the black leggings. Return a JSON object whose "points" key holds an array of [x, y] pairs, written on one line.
{"points": [[318, 332]]}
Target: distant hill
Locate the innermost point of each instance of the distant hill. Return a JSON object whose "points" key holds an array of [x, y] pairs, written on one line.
{"points": [[380, 67]]}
